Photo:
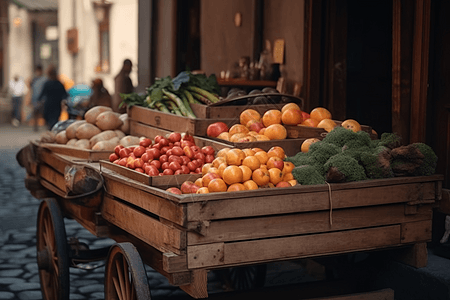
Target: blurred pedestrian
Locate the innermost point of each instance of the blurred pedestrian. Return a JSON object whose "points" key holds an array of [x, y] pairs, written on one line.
{"points": [[17, 89], [37, 84], [54, 93], [122, 85], [100, 95]]}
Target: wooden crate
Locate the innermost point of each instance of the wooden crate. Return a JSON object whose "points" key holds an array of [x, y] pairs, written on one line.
{"points": [[156, 181], [231, 111], [84, 154], [140, 129], [314, 132], [229, 229], [171, 122]]}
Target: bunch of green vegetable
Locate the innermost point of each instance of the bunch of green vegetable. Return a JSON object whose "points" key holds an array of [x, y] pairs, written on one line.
{"points": [[175, 95]]}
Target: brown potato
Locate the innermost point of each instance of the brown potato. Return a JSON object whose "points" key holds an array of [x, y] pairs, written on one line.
{"points": [[61, 137], [71, 130], [102, 136], [126, 123], [108, 120], [120, 134], [82, 144], [106, 145], [71, 142], [91, 115], [86, 131], [129, 140]]}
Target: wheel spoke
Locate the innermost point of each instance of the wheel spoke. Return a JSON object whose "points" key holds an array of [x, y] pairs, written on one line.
{"points": [[120, 272], [118, 289]]}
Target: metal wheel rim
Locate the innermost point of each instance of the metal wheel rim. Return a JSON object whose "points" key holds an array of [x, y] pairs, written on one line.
{"points": [[125, 276], [51, 243]]}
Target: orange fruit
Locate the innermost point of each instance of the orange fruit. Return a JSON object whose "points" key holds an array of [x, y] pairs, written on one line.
{"points": [[224, 136], [291, 116], [248, 152], [232, 174], [272, 116], [261, 177], [263, 166], [276, 151], [288, 176], [248, 115], [261, 137], [246, 173], [262, 156], [218, 161], [205, 168], [254, 125], [352, 125], [288, 167], [293, 182], [222, 152], [320, 113], [289, 106], [327, 124], [253, 133], [309, 122], [213, 170], [237, 136], [236, 187], [246, 139], [276, 132], [275, 162], [235, 157], [202, 190], [257, 149], [250, 185], [306, 143], [199, 182], [262, 131], [276, 175], [207, 178], [217, 185], [221, 168], [283, 184], [252, 162], [238, 128]]}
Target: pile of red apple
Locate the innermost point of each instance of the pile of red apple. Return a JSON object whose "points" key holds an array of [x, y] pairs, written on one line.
{"points": [[171, 155]]}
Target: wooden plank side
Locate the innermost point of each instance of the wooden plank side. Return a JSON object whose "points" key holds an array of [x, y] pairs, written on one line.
{"points": [[53, 160], [302, 202], [414, 232], [302, 223], [52, 176], [223, 254], [157, 205], [76, 152], [198, 288], [150, 230]]}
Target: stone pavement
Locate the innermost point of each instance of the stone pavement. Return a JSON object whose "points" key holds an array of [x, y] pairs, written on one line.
{"points": [[19, 277]]}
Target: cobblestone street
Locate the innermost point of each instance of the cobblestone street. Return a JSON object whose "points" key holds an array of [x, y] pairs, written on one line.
{"points": [[19, 277]]}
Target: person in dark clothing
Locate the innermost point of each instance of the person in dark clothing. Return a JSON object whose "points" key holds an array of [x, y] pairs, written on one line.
{"points": [[37, 84], [100, 95], [54, 92], [122, 85]]}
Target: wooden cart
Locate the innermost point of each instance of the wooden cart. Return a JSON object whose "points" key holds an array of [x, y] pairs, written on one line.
{"points": [[184, 236]]}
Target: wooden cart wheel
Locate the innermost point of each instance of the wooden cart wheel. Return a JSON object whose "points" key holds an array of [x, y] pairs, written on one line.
{"points": [[125, 276], [52, 251]]}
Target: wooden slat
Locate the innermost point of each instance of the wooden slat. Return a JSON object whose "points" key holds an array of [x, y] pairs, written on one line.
{"points": [[172, 262], [169, 210], [198, 288], [302, 223], [414, 232], [78, 153], [222, 254], [302, 202], [52, 176], [150, 230], [54, 160]]}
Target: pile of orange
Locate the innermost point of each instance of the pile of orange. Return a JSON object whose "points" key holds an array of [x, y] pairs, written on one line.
{"points": [[320, 117], [246, 169]]}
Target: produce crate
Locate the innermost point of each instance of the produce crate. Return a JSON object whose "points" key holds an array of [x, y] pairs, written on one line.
{"points": [[156, 181], [229, 111], [314, 132], [139, 129], [86, 154], [208, 231], [169, 121]]}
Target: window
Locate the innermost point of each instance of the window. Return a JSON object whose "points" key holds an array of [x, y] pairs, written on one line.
{"points": [[102, 16]]}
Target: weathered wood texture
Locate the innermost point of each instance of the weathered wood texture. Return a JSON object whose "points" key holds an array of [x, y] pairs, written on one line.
{"points": [[315, 132], [229, 111], [90, 155]]}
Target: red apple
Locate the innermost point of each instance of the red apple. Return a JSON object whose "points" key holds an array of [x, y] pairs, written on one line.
{"points": [[165, 165], [185, 159], [215, 129], [188, 152], [187, 137], [184, 169], [123, 153], [209, 158], [174, 166], [186, 187], [158, 138], [145, 157], [116, 161], [255, 126], [168, 172], [165, 149], [192, 166], [174, 190], [208, 150], [113, 157], [173, 158], [152, 171], [175, 137], [163, 158], [117, 149], [177, 151], [130, 162], [164, 142], [157, 146], [138, 163], [122, 162], [198, 171], [169, 152], [200, 155], [186, 143], [156, 164], [153, 153], [283, 184], [305, 115], [194, 188], [145, 142]]}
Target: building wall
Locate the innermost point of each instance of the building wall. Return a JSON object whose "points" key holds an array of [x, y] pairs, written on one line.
{"points": [[20, 54], [123, 40]]}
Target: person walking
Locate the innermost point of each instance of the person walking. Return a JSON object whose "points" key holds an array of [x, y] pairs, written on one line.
{"points": [[54, 93], [100, 95], [37, 84], [17, 89], [122, 85]]}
